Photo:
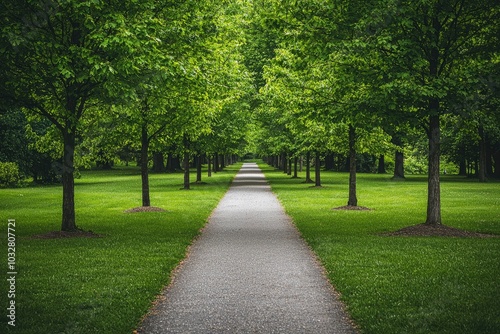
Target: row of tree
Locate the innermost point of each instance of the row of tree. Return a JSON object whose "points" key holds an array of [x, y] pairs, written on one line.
{"points": [[94, 80], [350, 76], [108, 76]]}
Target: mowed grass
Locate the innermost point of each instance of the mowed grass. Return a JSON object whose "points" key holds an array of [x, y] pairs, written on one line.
{"points": [[403, 284], [106, 284]]}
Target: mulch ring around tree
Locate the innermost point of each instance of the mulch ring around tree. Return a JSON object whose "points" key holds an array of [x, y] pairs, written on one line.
{"points": [[145, 209], [66, 234], [353, 207], [426, 230]]}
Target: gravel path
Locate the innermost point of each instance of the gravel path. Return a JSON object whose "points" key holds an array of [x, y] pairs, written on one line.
{"points": [[249, 272]]}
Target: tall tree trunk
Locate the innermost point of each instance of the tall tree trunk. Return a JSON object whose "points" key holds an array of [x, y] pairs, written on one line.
{"points": [[216, 162], [198, 167], [308, 168], [289, 165], [434, 134], [399, 171], [144, 166], [68, 182], [381, 165], [353, 200], [317, 170], [209, 165], [187, 186], [434, 191]]}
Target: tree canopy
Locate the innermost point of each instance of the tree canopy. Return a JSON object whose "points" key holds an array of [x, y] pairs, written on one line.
{"points": [[87, 81]]}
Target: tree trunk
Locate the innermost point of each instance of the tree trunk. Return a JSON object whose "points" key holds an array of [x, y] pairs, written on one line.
{"points": [[209, 165], [317, 170], [187, 186], [68, 183], [496, 158], [381, 165], [434, 134], [353, 200], [289, 165], [489, 158], [216, 162], [144, 166], [434, 191], [173, 163], [399, 171], [462, 170], [222, 162], [198, 167], [295, 167], [158, 162], [285, 164], [308, 168]]}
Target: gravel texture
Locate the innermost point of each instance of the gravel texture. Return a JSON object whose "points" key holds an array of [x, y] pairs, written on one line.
{"points": [[249, 272]]}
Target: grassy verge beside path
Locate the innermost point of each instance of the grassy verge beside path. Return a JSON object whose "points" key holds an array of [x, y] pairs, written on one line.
{"points": [[106, 284], [403, 284]]}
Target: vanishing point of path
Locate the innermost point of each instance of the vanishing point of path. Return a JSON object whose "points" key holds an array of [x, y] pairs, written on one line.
{"points": [[249, 272]]}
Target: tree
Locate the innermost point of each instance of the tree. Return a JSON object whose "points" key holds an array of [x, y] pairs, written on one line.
{"points": [[422, 44], [217, 116], [62, 57], [317, 72]]}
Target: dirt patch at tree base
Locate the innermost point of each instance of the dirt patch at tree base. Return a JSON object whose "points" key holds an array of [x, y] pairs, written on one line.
{"points": [[353, 208], [145, 209], [426, 230], [66, 234]]}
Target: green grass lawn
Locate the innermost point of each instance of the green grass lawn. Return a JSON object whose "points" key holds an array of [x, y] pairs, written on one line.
{"points": [[389, 284], [100, 285], [403, 284]]}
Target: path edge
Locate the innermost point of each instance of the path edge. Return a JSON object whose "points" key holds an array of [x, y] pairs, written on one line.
{"points": [[317, 262], [161, 296]]}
